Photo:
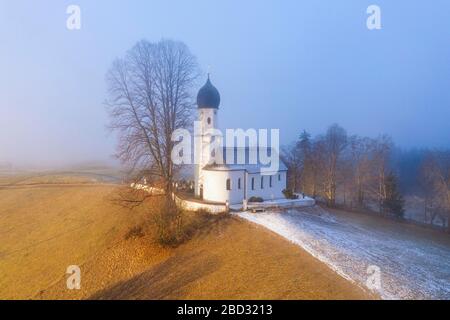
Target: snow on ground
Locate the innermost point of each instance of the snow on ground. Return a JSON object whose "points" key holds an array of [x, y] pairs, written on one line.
{"points": [[414, 262]]}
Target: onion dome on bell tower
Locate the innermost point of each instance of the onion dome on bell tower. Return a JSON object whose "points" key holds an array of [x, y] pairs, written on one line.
{"points": [[208, 96]]}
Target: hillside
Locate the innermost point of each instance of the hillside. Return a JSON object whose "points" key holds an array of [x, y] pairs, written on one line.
{"points": [[45, 228]]}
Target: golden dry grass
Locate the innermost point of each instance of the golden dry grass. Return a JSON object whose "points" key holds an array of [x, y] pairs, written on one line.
{"points": [[45, 228]]}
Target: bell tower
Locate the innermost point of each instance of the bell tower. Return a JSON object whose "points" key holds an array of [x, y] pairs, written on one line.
{"points": [[208, 101]]}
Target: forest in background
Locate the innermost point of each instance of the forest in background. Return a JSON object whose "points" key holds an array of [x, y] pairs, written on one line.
{"points": [[371, 174]]}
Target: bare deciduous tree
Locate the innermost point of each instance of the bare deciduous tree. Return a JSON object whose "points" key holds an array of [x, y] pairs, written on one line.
{"points": [[335, 141], [150, 97], [436, 173], [381, 150], [360, 156]]}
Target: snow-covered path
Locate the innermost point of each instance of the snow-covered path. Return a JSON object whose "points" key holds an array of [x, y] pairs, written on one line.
{"points": [[414, 263]]}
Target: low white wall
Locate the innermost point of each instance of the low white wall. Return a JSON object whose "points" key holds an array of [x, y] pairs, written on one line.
{"points": [[195, 206], [284, 203], [183, 203], [149, 189]]}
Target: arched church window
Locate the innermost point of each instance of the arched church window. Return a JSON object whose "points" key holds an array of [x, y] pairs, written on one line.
{"points": [[228, 184], [270, 182], [279, 177], [253, 183], [262, 182], [209, 120], [239, 183]]}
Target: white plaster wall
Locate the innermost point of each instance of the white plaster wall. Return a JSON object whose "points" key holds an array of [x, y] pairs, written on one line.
{"points": [[214, 183], [215, 186], [185, 204], [284, 203], [149, 189], [207, 135], [204, 156], [194, 206], [204, 114], [267, 193]]}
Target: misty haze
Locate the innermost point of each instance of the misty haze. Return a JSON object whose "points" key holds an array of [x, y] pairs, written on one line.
{"points": [[92, 95]]}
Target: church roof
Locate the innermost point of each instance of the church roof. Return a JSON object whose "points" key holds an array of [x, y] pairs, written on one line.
{"points": [[208, 96], [251, 163]]}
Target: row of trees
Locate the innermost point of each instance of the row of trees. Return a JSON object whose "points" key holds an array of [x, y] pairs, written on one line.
{"points": [[369, 173], [343, 169]]}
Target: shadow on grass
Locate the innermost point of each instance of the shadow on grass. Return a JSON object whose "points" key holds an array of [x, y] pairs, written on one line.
{"points": [[166, 280]]}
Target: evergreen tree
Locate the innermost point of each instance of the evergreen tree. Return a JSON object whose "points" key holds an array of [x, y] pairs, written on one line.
{"points": [[304, 142], [304, 149], [393, 203]]}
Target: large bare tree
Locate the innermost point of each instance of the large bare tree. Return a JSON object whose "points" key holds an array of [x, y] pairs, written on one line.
{"points": [[360, 150], [381, 154], [150, 96], [334, 142]]}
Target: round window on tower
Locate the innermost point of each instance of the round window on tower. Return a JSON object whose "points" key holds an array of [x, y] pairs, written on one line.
{"points": [[209, 120]]}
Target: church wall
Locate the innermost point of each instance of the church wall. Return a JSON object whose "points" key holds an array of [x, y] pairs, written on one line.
{"points": [[215, 186], [208, 119], [267, 193], [215, 182]]}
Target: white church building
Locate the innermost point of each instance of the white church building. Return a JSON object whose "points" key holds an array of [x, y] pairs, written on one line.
{"points": [[232, 183]]}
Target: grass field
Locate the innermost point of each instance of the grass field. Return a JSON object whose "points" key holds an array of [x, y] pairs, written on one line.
{"points": [[48, 222]]}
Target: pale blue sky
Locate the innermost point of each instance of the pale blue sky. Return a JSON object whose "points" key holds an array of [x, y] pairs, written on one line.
{"points": [[292, 65]]}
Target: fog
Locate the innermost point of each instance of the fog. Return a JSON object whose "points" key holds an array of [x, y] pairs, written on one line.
{"points": [[291, 65]]}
